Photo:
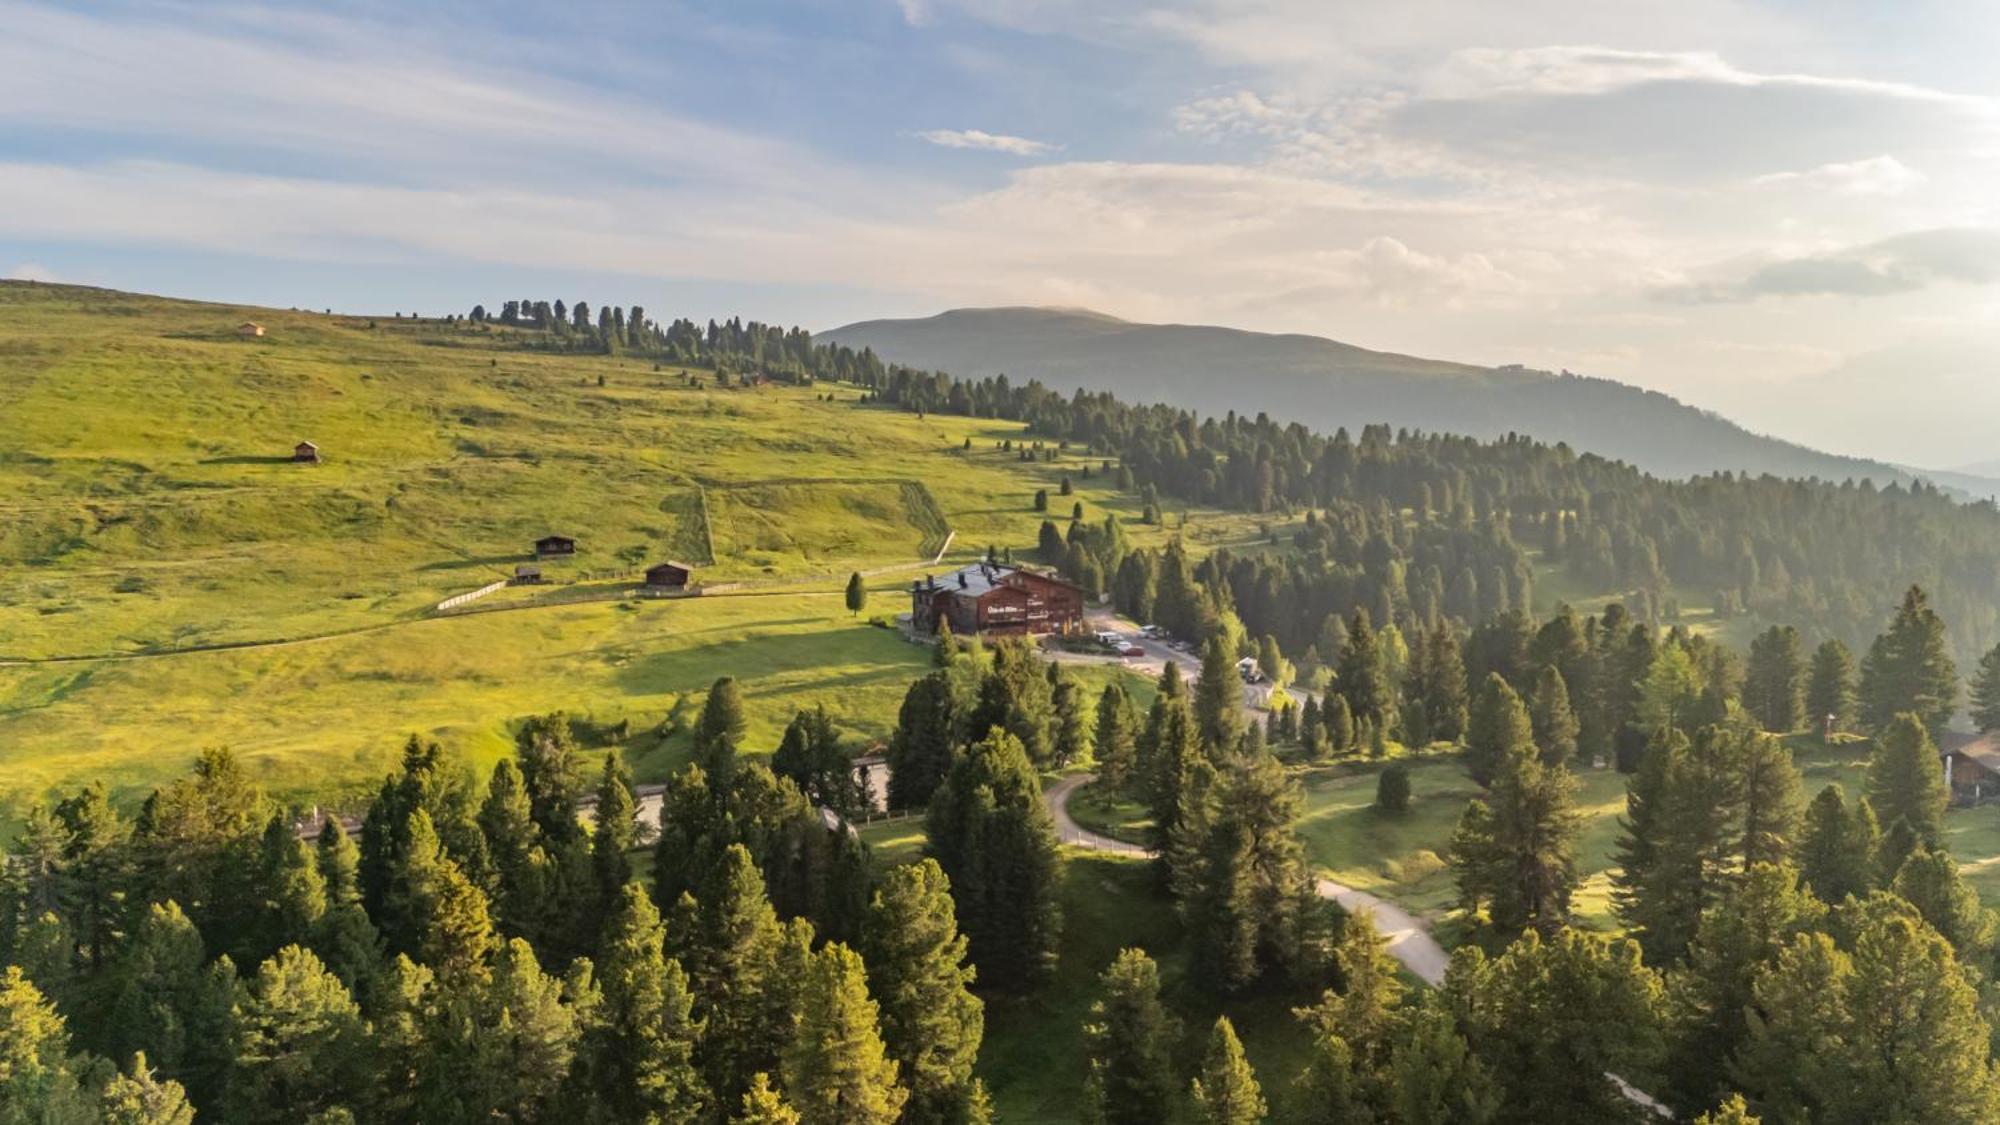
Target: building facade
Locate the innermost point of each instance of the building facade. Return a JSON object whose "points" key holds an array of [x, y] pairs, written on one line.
{"points": [[996, 600]]}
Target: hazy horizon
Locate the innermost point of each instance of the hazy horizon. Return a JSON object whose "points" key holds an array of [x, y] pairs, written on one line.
{"points": [[1777, 211]]}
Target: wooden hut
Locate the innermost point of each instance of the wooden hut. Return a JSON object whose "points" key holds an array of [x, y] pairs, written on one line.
{"points": [[249, 330], [306, 452], [668, 575], [554, 545], [527, 574]]}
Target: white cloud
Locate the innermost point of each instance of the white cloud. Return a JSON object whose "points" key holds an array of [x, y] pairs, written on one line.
{"points": [[1877, 175], [31, 271], [1903, 263], [986, 142], [916, 13]]}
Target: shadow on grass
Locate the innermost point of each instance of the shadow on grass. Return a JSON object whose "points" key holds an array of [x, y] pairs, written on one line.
{"points": [[247, 459]]}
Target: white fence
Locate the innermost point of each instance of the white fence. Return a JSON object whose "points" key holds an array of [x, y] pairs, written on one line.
{"points": [[457, 600]]}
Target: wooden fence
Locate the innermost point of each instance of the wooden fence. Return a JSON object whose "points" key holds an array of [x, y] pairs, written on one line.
{"points": [[457, 600]]}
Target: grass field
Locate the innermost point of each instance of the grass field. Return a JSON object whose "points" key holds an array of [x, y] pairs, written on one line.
{"points": [[170, 580]]}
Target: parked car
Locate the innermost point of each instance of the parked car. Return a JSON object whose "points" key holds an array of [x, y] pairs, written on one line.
{"points": [[1131, 652]]}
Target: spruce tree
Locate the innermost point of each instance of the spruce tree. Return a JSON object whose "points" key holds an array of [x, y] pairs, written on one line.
{"points": [[521, 866], [1129, 1043], [1072, 742], [836, 1069], [1340, 736], [1245, 887], [1360, 677], [931, 1021], [1909, 669], [857, 594], [1684, 830], [1515, 850], [1226, 1092], [728, 939], [1905, 780], [990, 832], [1931, 882], [1167, 749], [140, 1097], [763, 1105]]}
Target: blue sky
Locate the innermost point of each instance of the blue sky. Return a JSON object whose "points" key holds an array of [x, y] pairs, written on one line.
{"points": [[1779, 209]]}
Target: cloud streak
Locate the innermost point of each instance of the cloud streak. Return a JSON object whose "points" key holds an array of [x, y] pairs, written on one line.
{"points": [[982, 141]]}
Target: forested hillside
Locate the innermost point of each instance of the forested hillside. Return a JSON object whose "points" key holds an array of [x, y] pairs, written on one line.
{"points": [[1326, 384]]}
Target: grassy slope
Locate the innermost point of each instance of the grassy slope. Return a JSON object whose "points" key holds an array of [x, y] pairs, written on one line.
{"points": [[146, 509]]}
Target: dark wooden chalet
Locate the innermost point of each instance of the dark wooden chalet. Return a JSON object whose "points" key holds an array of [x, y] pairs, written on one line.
{"points": [[1972, 767], [306, 452], [555, 545], [995, 599], [668, 575]]}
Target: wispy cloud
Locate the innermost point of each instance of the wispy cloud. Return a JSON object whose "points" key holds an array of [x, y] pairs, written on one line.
{"points": [[31, 271], [1877, 175], [987, 142], [1904, 263]]}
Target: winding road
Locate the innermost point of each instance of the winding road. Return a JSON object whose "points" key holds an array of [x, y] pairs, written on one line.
{"points": [[1409, 941]]}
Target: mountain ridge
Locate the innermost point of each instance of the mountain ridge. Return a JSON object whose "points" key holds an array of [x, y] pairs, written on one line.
{"points": [[1327, 383]]}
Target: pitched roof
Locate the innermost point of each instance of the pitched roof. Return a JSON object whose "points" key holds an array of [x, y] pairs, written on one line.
{"points": [[1985, 750]]}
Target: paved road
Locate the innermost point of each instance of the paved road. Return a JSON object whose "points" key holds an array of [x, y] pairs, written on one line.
{"points": [[1409, 941]]}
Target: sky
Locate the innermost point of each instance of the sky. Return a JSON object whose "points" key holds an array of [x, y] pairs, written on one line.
{"points": [[1783, 210]]}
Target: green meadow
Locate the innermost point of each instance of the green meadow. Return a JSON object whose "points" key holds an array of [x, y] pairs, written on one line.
{"points": [[170, 580]]}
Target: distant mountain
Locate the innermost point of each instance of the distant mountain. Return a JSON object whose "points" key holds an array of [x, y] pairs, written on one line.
{"points": [[1325, 383]]}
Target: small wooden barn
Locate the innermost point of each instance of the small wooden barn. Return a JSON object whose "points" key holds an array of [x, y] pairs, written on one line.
{"points": [[668, 575], [527, 574], [249, 329], [306, 452], [554, 545], [1972, 767]]}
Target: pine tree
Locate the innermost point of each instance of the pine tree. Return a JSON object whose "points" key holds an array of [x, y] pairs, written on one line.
{"points": [[1986, 692], [990, 832], [931, 1022], [1072, 742], [857, 594], [1499, 726], [616, 834], [1930, 881], [1340, 736], [1887, 1032], [300, 1042], [920, 751], [1360, 676], [1684, 829], [1670, 692], [290, 889], [1773, 801], [729, 941], [1732, 1111], [1444, 684], [1364, 1012], [1245, 886], [640, 1052], [1332, 1089], [521, 866], [1165, 750], [1226, 1092], [1433, 1076], [1773, 682], [1831, 693], [1129, 1042], [1218, 699], [1553, 723], [718, 734], [140, 1097], [1905, 781], [1116, 738], [1515, 850], [1392, 789], [1759, 915], [836, 1069], [1837, 847], [1909, 668], [36, 1082], [763, 1105]]}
